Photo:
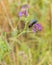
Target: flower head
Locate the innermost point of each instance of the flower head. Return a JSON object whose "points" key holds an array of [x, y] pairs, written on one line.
{"points": [[37, 27], [24, 10], [25, 13]]}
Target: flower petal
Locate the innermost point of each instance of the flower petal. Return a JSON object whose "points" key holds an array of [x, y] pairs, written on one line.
{"points": [[38, 26], [20, 14], [34, 29]]}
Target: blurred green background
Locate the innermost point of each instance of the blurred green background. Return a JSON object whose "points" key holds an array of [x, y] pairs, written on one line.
{"points": [[19, 45]]}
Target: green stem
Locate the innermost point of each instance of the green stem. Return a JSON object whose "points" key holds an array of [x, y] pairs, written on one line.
{"points": [[23, 33]]}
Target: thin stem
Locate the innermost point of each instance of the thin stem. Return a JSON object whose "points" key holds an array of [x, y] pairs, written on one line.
{"points": [[24, 32]]}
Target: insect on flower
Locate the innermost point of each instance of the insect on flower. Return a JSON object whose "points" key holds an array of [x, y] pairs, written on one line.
{"points": [[36, 26], [32, 23]]}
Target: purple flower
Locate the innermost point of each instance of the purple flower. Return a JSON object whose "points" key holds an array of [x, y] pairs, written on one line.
{"points": [[37, 27], [25, 13], [20, 14], [24, 10], [34, 29]]}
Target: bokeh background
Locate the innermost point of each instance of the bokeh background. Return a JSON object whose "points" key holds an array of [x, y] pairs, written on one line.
{"points": [[19, 45]]}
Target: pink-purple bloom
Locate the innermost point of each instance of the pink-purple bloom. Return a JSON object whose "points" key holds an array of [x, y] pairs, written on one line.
{"points": [[20, 14], [37, 27], [25, 13]]}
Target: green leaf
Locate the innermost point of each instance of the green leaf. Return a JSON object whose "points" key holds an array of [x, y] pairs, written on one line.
{"points": [[4, 48]]}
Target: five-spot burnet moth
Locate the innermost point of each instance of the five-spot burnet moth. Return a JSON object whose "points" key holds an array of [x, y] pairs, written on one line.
{"points": [[32, 23]]}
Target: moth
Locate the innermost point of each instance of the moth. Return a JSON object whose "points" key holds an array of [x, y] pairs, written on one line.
{"points": [[32, 22]]}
